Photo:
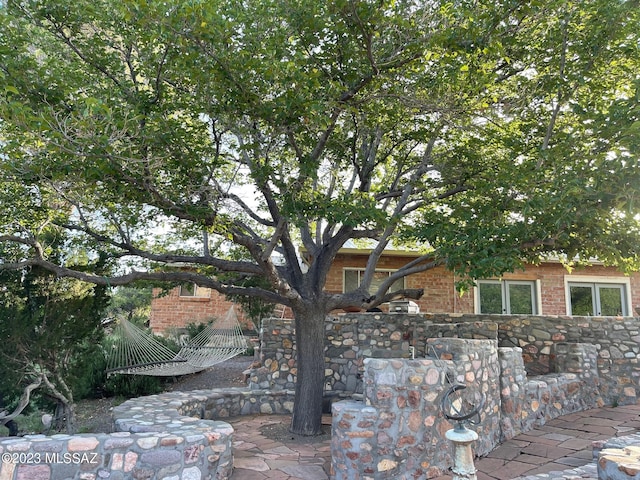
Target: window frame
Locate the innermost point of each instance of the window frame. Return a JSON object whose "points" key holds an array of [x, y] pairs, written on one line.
{"points": [[198, 292], [596, 281], [505, 283], [360, 271]]}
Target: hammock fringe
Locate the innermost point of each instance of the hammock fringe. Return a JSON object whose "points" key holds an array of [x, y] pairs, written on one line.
{"points": [[136, 352]]}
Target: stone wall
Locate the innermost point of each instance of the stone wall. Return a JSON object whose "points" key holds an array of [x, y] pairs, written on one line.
{"points": [[349, 339], [398, 430], [354, 337], [618, 458], [171, 435], [616, 340], [154, 440]]}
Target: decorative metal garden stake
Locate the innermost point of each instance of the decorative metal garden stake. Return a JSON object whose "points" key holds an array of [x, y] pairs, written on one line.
{"points": [[461, 436]]}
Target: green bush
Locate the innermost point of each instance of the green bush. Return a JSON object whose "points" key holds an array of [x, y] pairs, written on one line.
{"points": [[130, 386], [249, 352], [194, 329], [87, 372], [170, 342], [28, 423]]}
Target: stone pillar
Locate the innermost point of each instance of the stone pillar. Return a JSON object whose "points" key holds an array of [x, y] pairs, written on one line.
{"points": [[354, 441], [512, 391]]}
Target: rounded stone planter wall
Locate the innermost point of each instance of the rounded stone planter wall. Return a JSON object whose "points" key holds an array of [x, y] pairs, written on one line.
{"points": [[170, 436], [154, 440]]}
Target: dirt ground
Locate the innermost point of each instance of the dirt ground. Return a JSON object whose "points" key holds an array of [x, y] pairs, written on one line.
{"points": [[94, 415]]}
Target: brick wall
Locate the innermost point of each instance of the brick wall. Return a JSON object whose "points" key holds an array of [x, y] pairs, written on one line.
{"points": [[171, 311], [552, 277], [440, 295]]}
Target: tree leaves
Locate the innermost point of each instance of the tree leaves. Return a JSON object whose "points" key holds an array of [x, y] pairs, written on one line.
{"points": [[492, 132], [485, 133]]}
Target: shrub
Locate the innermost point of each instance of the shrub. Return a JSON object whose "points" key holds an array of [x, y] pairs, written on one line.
{"points": [[130, 386]]}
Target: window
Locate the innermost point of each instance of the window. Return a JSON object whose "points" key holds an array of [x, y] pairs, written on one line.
{"points": [[352, 280], [193, 290], [597, 299], [507, 297]]}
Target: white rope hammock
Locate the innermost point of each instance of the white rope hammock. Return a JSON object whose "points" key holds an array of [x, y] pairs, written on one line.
{"points": [[136, 352]]}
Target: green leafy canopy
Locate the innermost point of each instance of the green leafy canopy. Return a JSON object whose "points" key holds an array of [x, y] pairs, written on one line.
{"points": [[162, 134]]}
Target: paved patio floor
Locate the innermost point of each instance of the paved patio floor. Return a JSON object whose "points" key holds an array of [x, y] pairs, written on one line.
{"points": [[257, 457], [561, 449]]}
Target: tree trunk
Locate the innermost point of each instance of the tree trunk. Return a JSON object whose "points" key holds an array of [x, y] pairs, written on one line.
{"points": [[307, 409], [64, 418], [66, 410]]}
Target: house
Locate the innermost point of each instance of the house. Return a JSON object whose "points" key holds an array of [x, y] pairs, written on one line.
{"points": [[190, 304], [545, 289]]}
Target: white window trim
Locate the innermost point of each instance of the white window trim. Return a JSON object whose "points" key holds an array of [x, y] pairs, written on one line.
{"points": [[539, 297], [626, 281], [537, 287]]}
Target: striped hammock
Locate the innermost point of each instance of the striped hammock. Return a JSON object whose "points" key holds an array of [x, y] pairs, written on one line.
{"points": [[136, 352]]}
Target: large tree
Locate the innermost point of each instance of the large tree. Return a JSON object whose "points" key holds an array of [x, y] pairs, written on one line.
{"points": [[482, 133]]}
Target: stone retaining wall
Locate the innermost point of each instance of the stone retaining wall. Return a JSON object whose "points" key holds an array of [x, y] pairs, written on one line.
{"points": [[352, 338], [398, 431], [203, 404], [155, 441], [397, 426], [618, 458], [170, 435], [616, 340]]}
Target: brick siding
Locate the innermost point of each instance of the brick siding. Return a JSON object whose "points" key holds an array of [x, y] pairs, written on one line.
{"points": [[440, 296], [171, 311]]}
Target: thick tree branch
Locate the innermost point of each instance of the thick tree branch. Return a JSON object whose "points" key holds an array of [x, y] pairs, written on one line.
{"points": [[220, 264], [22, 403]]}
